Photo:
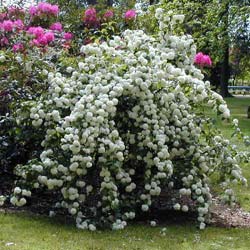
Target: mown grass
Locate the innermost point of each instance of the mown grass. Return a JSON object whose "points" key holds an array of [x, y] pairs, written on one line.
{"points": [[238, 107], [38, 233], [29, 232]]}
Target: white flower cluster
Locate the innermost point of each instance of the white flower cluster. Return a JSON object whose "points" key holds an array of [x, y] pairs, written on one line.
{"points": [[123, 126], [2, 200], [2, 58]]}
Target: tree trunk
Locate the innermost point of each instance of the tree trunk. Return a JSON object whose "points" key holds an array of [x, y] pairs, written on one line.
{"points": [[225, 73]]}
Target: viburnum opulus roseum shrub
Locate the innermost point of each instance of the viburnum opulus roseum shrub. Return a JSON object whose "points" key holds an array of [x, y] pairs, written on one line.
{"points": [[125, 124]]}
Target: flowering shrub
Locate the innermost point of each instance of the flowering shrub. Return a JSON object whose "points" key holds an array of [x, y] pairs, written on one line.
{"points": [[101, 26], [27, 48], [36, 27], [125, 123], [31, 41], [202, 60], [43, 10]]}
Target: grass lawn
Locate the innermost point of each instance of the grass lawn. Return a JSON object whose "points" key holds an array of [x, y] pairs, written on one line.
{"points": [[238, 107], [24, 232], [37, 233]]}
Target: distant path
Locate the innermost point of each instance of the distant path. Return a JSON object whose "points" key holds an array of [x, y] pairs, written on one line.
{"points": [[242, 96]]}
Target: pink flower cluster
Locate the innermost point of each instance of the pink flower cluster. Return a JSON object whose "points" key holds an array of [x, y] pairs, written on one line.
{"points": [[44, 8], [108, 14], [13, 10], [3, 16], [67, 36], [9, 25], [42, 38], [56, 27], [4, 41], [90, 17], [202, 60], [130, 15], [18, 47]]}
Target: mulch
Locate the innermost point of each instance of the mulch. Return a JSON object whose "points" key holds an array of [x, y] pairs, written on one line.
{"points": [[229, 217]]}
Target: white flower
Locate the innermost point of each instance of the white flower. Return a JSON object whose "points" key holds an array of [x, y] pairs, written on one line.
{"points": [[202, 225], [184, 208], [21, 202], [2, 58], [2, 200], [144, 208], [177, 206], [92, 227], [152, 223], [17, 190], [179, 18]]}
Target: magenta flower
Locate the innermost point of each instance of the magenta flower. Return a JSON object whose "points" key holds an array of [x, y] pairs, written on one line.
{"points": [[68, 36], [202, 60], [44, 8], [108, 14], [42, 40], [4, 41], [198, 58], [50, 37], [130, 15], [13, 10], [90, 17], [19, 24], [33, 10], [3, 16], [56, 26], [91, 12], [7, 25], [207, 60], [54, 9], [36, 31], [18, 47], [35, 42]]}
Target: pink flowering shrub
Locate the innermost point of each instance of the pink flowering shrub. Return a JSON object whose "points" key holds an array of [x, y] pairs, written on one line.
{"points": [[44, 9], [102, 25], [202, 60], [21, 29]]}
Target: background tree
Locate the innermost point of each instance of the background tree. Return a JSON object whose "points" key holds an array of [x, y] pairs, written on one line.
{"points": [[216, 26]]}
